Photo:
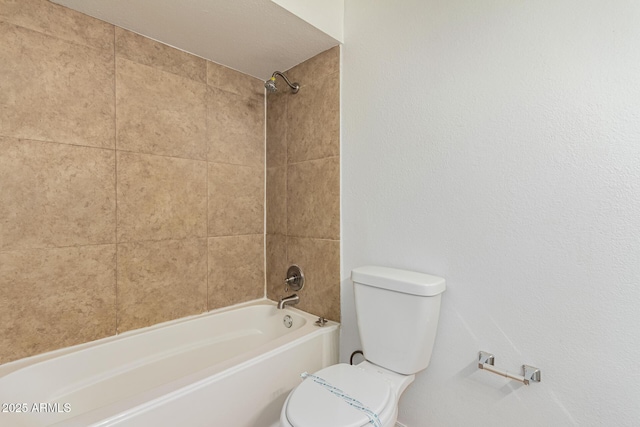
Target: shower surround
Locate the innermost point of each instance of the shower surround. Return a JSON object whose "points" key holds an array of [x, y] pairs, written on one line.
{"points": [[303, 183], [132, 182]]}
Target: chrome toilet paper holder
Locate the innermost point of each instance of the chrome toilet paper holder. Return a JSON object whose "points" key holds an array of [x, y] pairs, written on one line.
{"points": [[486, 362]]}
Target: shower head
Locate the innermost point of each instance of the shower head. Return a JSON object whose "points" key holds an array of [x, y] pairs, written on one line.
{"points": [[270, 84]]}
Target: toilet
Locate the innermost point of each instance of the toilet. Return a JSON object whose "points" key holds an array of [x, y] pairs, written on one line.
{"points": [[397, 313]]}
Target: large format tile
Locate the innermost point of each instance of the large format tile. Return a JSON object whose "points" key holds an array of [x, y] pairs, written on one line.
{"points": [[55, 195], [313, 124], [320, 262], [53, 90], [303, 147], [236, 269], [313, 199], [160, 281], [236, 200], [53, 298], [235, 128], [159, 112], [161, 197], [316, 68], [58, 21], [233, 81], [146, 51]]}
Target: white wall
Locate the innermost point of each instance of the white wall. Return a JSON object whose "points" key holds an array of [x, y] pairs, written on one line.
{"points": [[497, 144]]}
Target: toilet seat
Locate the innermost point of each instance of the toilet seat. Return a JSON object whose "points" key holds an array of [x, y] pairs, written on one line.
{"points": [[313, 405]]}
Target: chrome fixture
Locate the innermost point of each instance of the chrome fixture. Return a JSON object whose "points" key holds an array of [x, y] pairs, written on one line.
{"points": [[270, 84], [529, 373], [295, 279], [321, 321], [290, 300], [287, 321]]}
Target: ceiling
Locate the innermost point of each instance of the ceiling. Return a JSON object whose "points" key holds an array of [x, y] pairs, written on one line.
{"points": [[256, 37]]}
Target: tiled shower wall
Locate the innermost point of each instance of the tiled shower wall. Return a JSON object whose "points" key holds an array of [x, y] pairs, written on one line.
{"points": [[131, 181], [303, 184]]}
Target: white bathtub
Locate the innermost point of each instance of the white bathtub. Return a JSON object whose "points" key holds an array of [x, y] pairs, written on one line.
{"points": [[231, 367]]}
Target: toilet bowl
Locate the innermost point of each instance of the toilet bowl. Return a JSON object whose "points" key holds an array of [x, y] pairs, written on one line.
{"points": [[346, 396], [397, 314]]}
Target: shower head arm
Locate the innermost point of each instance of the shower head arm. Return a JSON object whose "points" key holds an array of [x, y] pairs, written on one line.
{"points": [[295, 87]]}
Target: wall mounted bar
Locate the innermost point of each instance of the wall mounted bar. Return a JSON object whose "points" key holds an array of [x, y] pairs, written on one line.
{"points": [[529, 373]]}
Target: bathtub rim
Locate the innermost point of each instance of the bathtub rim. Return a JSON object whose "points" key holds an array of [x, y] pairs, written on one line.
{"points": [[15, 365], [149, 400]]}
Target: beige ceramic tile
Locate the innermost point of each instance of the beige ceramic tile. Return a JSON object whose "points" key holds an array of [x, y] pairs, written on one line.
{"points": [[235, 128], [236, 200], [277, 200], [276, 262], [55, 195], [233, 81], [277, 129], [160, 197], [58, 21], [53, 298], [313, 199], [313, 124], [53, 90], [316, 68], [160, 281], [149, 52], [320, 262], [236, 269], [159, 112]]}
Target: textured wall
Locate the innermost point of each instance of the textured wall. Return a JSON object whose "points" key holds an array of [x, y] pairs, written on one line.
{"points": [[303, 184], [497, 144], [131, 181]]}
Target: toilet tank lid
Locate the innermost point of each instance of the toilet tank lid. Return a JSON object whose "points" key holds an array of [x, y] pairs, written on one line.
{"points": [[408, 282]]}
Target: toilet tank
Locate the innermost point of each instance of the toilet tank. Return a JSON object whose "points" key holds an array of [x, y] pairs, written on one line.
{"points": [[397, 313]]}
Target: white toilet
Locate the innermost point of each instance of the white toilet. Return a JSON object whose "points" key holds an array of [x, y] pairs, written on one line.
{"points": [[397, 314]]}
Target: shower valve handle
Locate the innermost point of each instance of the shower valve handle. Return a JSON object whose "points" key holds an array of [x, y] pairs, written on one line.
{"points": [[294, 279]]}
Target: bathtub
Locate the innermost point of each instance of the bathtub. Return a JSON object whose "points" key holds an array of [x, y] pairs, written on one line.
{"points": [[231, 367]]}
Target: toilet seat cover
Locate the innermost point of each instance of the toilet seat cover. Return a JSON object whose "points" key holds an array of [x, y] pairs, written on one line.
{"points": [[313, 405]]}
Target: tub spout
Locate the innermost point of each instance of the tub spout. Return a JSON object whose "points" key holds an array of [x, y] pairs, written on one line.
{"points": [[290, 300]]}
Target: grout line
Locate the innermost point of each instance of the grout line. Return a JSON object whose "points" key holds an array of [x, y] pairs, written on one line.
{"points": [[286, 170], [185, 158], [314, 160], [43, 141], [208, 308], [115, 146], [206, 126], [312, 238], [55, 247], [286, 183], [264, 229], [31, 248], [161, 155]]}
